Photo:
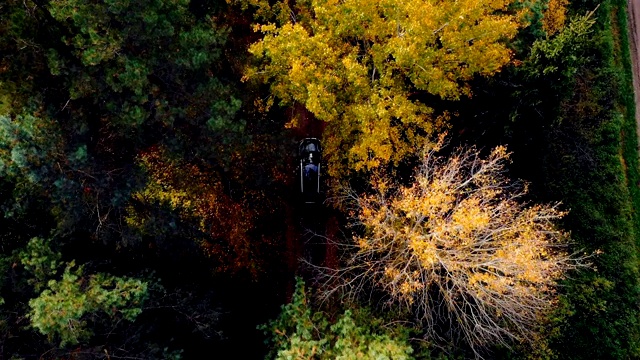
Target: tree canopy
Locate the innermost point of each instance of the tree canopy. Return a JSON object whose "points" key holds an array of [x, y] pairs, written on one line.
{"points": [[150, 202], [366, 67]]}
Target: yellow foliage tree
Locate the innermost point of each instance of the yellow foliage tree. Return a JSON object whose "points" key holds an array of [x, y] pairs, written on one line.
{"points": [[363, 66], [459, 250]]}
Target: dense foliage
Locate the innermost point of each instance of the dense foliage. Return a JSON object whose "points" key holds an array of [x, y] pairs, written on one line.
{"points": [[364, 67], [301, 333], [149, 186]]}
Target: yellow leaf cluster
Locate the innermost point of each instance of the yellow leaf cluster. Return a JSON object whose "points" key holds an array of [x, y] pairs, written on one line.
{"points": [[361, 66], [555, 16]]}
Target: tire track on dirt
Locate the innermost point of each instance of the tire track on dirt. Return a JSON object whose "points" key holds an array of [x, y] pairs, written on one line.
{"points": [[633, 11]]}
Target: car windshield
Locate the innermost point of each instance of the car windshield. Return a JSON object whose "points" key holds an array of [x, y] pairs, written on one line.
{"points": [[310, 153], [311, 147]]}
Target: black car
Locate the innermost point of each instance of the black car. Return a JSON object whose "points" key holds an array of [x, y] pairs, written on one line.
{"points": [[310, 153]]}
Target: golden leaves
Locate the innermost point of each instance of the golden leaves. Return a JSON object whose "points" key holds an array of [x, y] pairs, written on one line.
{"points": [[459, 239], [555, 16], [355, 64]]}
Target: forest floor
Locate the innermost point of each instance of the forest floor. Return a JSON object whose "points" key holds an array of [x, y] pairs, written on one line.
{"points": [[634, 33]]}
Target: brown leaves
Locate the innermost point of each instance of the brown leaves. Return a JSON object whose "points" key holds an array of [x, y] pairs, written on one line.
{"points": [[197, 195]]}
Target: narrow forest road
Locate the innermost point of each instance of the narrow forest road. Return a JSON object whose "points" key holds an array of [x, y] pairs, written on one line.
{"points": [[633, 9]]}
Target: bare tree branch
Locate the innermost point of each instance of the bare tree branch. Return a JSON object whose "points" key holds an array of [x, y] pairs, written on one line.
{"points": [[459, 249]]}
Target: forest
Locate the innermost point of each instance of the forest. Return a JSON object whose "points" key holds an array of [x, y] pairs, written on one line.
{"points": [[478, 194]]}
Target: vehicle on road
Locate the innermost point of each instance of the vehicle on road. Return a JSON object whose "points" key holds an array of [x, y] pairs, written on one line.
{"points": [[310, 154]]}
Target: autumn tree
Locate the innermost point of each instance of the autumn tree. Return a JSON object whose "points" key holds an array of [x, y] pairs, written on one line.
{"points": [[366, 67], [458, 249], [196, 195]]}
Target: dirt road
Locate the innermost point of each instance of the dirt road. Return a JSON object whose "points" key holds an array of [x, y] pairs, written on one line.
{"points": [[634, 32]]}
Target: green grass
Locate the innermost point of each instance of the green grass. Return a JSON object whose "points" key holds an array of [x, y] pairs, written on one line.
{"points": [[626, 106]]}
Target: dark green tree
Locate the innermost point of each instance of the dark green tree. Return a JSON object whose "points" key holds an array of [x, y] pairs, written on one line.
{"points": [[85, 87]]}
